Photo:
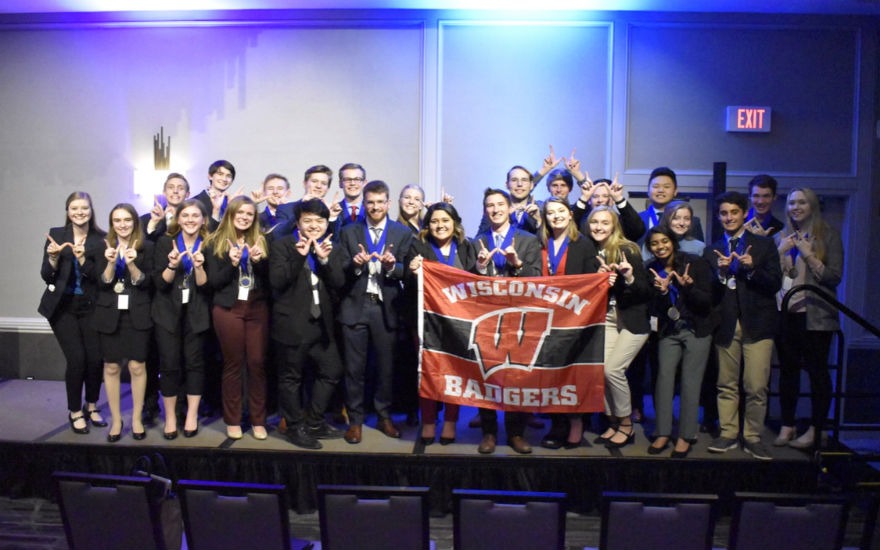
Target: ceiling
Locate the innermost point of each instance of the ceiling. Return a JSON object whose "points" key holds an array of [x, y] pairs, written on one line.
{"points": [[840, 7]]}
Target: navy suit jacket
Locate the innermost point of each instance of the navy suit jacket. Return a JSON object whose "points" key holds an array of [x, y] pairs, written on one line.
{"points": [[354, 293], [753, 302]]}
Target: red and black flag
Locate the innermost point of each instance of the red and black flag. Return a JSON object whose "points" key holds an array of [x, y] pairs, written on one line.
{"points": [[510, 343]]}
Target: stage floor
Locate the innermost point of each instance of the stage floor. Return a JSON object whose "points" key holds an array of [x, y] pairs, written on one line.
{"points": [[35, 439]]}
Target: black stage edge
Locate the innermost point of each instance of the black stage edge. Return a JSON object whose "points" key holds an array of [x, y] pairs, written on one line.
{"points": [[27, 467]]}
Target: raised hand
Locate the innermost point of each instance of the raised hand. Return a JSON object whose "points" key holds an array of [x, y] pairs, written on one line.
{"points": [[753, 226], [684, 279], [303, 245], [110, 253], [511, 256], [573, 166], [256, 252], [323, 249], [234, 253], [129, 253], [157, 212], [723, 261], [79, 250], [174, 257], [616, 189], [387, 258], [484, 256], [258, 196], [626, 269], [550, 161], [661, 283], [198, 259], [745, 259], [446, 197], [362, 257], [803, 244], [587, 188]]}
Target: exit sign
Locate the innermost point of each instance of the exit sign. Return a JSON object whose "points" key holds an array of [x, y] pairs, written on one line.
{"points": [[744, 118]]}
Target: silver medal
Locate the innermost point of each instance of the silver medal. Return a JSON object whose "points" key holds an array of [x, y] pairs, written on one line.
{"points": [[245, 281], [51, 288], [118, 287], [731, 283], [673, 313], [184, 282], [793, 273]]}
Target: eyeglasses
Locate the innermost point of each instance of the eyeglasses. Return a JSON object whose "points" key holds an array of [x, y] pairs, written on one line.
{"points": [[352, 180]]}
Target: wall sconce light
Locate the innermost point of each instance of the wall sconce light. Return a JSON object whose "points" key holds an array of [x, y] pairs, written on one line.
{"points": [[147, 181]]}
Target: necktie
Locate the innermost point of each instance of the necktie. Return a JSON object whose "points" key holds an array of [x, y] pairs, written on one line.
{"points": [[354, 213], [315, 308], [498, 240], [732, 244], [377, 234]]}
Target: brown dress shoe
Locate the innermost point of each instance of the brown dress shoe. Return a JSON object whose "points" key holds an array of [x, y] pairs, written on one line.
{"points": [[387, 427], [520, 445], [353, 435], [487, 445], [282, 426]]}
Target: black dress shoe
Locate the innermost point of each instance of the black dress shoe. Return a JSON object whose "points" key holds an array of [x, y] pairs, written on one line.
{"points": [[323, 430], [427, 441], [89, 414], [571, 445], [447, 440], [549, 442], [113, 438], [299, 436], [72, 419], [139, 436], [680, 454], [170, 435], [191, 433], [652, 450]]}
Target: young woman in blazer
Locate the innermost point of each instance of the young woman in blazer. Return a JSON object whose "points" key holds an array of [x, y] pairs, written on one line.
{"points": [[181, 313], [238, 271], [441, 240], [122, 314], [682, 305], [68, 304], [565, 252], [626, 325], [810, 252]]}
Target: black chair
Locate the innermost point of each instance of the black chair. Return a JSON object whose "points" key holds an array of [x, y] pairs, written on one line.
{"points": [[657, 521], [104, 511], [219, 515], [360, 517], [507, 519], [787, 522]]}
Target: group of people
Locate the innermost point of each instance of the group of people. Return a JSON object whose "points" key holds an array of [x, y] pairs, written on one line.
{"points": [[322, 288]]}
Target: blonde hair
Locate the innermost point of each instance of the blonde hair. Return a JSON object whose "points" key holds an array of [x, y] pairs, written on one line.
{"points": [[226, 231], [616, 244], [819, 228]]}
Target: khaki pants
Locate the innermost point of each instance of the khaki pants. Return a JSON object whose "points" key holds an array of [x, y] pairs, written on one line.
{"points": [[756, 377]]}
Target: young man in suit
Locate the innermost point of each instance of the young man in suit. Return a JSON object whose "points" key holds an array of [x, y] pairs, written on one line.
{"points": [[760, 219], [221, 174], [373, 252], [303, 269], [747, 276], [662, 189], [351, 180], [155, 222], [505, 251], [525, 211]]}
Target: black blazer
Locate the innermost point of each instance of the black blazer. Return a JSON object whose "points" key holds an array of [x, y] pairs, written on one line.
{"points": [[630, 221], [694, 301], [167, 300], [290, 280], [223, 278], [527, 247], [580, 257], [161, 228], [355, 290], [106, 317], [57, 280], [753, 302], [467, 257], [632, 300]]}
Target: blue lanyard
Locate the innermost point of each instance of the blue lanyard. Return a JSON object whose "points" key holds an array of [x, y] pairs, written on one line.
{"points": [[673, 290], [553, 256], [453, 249], [187, 259], [500, 262], [379, 246]]}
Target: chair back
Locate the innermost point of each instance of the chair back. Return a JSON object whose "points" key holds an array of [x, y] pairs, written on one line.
{"points": [[104, 511], [507, 519], [784, 521], [657, 520], [219, 515], [360, 517]]}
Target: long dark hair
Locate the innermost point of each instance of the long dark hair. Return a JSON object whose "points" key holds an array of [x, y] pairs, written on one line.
{"points": [[76, 195]]}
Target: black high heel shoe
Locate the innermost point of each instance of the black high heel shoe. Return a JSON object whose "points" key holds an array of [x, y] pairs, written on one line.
{"points": [[191, 433], [427, 441], [601, 439], [630, 437], [100, 423], [113, 438], [72, 419], [138, 436], [652, 450], [447, 440]]}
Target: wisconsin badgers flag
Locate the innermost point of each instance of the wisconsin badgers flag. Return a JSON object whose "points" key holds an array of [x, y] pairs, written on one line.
{"points": [[514, 344]]}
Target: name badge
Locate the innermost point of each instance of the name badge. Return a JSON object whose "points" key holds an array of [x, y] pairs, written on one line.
{"points": [[243, 292], [654, 327], [122, 301], [184, 296]]}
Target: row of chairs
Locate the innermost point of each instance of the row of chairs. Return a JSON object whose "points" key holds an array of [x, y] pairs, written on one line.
{"points": [[101, 511]]}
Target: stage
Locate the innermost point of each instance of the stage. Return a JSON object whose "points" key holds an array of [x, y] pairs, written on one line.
{"points": [[35, 440]]}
